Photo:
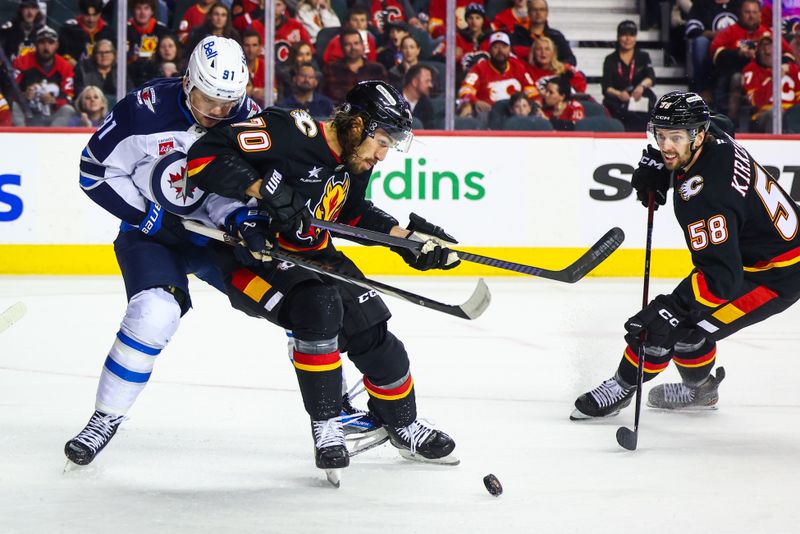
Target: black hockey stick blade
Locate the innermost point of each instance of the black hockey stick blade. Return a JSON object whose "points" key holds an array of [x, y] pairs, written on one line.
{"points": [[570, 274], [627, 438], [471, 309]]}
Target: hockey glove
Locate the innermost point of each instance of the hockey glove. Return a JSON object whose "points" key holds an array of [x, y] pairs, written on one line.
{"points": [[286, 207], [164, 227], [434, 253], [651, 175], [252, 225], [661, 322]]}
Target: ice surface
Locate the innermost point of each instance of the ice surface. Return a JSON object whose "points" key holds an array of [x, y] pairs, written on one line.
{"points": [[219, 442]]}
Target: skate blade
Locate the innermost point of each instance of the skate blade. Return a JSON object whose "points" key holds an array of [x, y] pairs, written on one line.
{"points": [[445, 460], [334, 476], [578, 415], [358, 443], [688, 409], [71, 466]]}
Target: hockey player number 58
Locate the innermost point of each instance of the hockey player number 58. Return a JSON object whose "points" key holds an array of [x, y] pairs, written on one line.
{"points": [[780, 208], [702, 232]]}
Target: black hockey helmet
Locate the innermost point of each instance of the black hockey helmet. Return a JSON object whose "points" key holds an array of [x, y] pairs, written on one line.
{"points": [[385, 108], [681, 110]]}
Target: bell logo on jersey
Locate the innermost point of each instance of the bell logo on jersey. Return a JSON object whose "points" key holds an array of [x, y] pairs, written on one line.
{"points": [[170, 187], [690, 187]]}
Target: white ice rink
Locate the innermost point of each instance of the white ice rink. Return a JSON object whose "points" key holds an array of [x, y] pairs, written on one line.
{"points": [[219, 441]]}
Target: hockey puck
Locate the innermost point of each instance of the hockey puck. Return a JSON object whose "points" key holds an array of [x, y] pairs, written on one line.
{"points": [[493, 485]]}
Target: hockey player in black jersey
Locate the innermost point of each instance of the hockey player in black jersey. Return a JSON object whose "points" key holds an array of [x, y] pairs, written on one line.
{"points": [[296, 167], [742, 231]]}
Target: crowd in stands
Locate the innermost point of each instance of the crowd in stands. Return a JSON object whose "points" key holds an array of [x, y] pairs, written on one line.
{"points": [[513, 70]]}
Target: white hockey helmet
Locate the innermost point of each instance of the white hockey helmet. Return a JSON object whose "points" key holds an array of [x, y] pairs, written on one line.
{"points": [[218, 69]]}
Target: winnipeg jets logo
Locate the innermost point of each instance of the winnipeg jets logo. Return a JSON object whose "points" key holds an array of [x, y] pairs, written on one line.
{"points": [[179, 181], [170, 185], [690, 187]]}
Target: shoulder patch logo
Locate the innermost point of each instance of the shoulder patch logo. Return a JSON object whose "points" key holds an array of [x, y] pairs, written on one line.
{"points": [[147, 97], [690, 187]]}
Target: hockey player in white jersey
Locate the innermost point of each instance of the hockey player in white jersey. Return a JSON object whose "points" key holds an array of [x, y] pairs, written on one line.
{"points": [[133, 168]]}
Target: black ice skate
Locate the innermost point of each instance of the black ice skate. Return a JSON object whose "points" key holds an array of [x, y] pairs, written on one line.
{"points": [[605, 400], [83, 448], [330, 452], [680, 396], [362, 429], [422, 443]]}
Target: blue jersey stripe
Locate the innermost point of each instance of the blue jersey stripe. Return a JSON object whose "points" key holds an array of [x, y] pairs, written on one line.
{"points": [[87, 182], [141, 347]]}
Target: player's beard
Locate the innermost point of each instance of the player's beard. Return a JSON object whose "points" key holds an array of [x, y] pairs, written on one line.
{"points": [[357, 164]]}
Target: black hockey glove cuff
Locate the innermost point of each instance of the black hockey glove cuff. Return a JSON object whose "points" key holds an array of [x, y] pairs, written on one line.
{"points": [[164, 227], [252, 225], [434, 253], [651, 175], [662, 323], [286, 207]]}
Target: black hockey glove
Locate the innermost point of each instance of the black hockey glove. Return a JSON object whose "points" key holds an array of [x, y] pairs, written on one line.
{"points": [[651, 175], [434, 253], [252, 225], [164, 227], [286, 207], [661, 321]]}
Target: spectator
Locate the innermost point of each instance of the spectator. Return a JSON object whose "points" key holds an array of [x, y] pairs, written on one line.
{"points": [[706, 19], [732, 49], [5, 112], [389, 11], [288, 30], [193, 17], [523, 37], [144, 31], [628, 76], [409, 48], [389, 55], [316, 15], [472, 43], [299, 54], [342, 75], [165, 63], [544, 65], [92, 107], [218, 22], [417, 85], [100, 70], [46, 80], [520, 105], [795, 44], [304, 93], [79, 35], [494, 79], [757, 85], [254, 55], [434, 21], [516, 15], [18, 35], [559, 106], [358, 19]]}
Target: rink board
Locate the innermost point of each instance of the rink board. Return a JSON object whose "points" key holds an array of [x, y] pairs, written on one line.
{"points": [[536, 198]]}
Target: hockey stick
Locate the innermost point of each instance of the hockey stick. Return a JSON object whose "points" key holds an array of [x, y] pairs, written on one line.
{"points": [[626, 437], [12, 314], [474, 306], [569, 274]]}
